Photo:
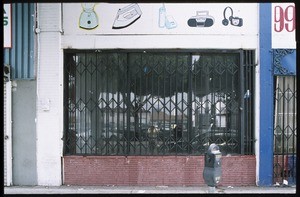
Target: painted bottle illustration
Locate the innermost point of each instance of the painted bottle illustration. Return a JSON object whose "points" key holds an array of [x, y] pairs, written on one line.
{"points": [[165, 20], [162, 16]]}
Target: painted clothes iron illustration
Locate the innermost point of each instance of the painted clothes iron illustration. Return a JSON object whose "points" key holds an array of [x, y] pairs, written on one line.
{"points": [[126, 16], [202, 19], [88, 18]]}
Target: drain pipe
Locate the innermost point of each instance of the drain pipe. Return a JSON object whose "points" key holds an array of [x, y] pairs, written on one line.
{"points": [[61, 30], [8, 132]]}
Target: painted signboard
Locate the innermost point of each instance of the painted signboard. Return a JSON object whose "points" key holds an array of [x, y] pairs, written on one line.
{"points": [[160, 18], [7, 25], [283, 25]]}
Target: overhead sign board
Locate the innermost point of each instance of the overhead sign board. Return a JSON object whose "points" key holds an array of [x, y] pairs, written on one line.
{"points": [[160, 18], [283, 25], [7, 25]]}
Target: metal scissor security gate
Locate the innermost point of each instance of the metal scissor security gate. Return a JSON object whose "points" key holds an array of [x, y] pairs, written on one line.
{"points": [[157, 102], [285, 129]]}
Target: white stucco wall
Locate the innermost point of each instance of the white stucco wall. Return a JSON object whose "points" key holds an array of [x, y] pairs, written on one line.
{"points": [[49, 95]]}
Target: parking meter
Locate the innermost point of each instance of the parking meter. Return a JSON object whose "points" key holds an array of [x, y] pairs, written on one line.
{"points": [[212, 166]]}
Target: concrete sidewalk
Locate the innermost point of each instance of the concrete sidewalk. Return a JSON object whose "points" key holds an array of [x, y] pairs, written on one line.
{"points": [[143, 190]]}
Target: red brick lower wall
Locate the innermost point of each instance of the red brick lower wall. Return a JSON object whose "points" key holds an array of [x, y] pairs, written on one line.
{"points": [[154, 170]]}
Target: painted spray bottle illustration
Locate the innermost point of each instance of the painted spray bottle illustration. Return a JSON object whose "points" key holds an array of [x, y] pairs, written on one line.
{"points": [[165, 20]]}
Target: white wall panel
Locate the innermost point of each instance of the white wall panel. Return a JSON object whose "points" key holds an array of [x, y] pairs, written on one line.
{"points": [[159, 41], [146, 33], [49, 87]]}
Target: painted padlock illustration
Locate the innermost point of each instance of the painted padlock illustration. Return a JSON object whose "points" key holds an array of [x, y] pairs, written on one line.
{"points": [[88, 18], [202, 19]]}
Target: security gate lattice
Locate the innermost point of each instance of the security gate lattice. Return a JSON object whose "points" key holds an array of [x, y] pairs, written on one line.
{"points": [[155, 103], [285, 129]]}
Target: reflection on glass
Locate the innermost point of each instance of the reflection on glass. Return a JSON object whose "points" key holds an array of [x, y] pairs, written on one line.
{"points": [[117, 99]]}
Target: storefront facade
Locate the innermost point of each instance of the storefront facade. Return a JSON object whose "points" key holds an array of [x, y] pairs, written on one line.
{"points": [[133, 94], [285, 93], [146, 96]]}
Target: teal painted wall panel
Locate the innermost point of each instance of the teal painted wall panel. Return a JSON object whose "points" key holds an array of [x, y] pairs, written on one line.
{"points": [[21, 56]]}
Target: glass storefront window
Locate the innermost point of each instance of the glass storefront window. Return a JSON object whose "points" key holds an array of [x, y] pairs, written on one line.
{"points": [[152, 103]]}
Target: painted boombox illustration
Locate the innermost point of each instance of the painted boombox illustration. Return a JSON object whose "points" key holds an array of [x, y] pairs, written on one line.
{"points": [[202, 19]]}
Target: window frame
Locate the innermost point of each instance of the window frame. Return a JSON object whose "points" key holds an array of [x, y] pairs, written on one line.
{"points": [[190, 52]]}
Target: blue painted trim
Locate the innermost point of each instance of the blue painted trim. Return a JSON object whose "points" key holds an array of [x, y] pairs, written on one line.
{"points": [[266, 97], [284, 61]]}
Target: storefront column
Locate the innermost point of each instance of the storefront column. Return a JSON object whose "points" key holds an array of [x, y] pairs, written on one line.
{"points": [[266, 98]]}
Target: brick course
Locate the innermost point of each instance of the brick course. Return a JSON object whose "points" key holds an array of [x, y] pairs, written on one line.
{"points": [[154, 170]]}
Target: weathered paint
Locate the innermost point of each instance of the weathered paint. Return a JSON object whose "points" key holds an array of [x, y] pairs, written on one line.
{"points": [[49, 112], [24, 133]]}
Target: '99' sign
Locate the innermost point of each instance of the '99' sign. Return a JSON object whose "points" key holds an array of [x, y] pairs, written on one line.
{"points": [[284, 18]]}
